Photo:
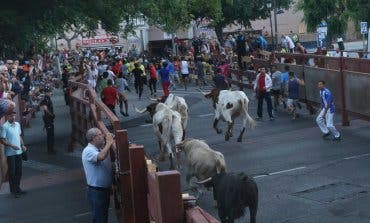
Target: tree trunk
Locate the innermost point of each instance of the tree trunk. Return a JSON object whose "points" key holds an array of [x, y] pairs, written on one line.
{"points": [[219, 33], [173, 44], [69, 43]]}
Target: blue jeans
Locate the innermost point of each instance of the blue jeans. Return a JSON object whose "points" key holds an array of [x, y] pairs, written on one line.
{"points": [[99, 201]]}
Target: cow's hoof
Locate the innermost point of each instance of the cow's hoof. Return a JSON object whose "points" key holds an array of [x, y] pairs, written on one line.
{"points": [[219, 131], [239, 140]]}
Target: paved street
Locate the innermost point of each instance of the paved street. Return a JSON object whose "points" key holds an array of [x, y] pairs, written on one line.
{"points": [[301, 177]]}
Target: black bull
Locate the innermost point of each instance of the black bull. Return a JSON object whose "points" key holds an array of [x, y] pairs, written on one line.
{"points": [[233, 193]]}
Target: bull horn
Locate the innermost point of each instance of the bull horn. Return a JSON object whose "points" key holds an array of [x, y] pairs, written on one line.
{"points": [[204, 93], [209, 179], [153, 99], [139, 111]]}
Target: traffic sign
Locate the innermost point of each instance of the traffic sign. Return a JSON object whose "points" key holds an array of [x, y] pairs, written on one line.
{"points": [[363, 27]]}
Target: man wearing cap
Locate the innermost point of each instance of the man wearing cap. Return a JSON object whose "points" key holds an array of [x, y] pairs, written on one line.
{"points": [[14, 147], [47, 106]]}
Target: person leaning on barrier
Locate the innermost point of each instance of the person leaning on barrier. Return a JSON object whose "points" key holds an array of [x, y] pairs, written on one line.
{"points": [[98, 171]]}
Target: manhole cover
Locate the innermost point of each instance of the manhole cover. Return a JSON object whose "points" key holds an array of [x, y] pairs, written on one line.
{"points": [[331, 192]]}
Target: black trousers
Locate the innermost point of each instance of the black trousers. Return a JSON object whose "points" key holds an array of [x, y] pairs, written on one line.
{"points": [[267, 97], [50, 137], [14, 172], [153, 85]]}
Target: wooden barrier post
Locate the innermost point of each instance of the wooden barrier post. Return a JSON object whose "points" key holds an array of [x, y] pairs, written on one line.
{"points": [[170, 196], [127, 215], [139, 184]]}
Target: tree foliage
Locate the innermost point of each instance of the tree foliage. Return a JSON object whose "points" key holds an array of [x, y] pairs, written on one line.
{"points": [[336, 13], [244, 11]]}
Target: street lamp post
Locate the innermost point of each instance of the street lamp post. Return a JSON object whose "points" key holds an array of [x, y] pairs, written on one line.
{"points": [[275, 21], [269, 5]]}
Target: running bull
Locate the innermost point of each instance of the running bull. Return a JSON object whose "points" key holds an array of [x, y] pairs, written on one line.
{"points": [[229, 105], [233, 192]]}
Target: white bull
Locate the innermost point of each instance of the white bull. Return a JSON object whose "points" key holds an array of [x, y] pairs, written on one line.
{"points": [[167, 127], [202, 162], [178, 104], [228, 106]]}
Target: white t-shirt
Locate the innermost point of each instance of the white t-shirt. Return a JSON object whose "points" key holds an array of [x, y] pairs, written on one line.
{"points": [[184, 67]]}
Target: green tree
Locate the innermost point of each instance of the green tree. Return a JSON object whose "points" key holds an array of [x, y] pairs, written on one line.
{"points": [[244, 11]]}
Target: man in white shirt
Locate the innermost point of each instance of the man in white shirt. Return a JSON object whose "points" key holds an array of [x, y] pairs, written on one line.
{"points": [[262, 87], [98, 170], [288, 43]]}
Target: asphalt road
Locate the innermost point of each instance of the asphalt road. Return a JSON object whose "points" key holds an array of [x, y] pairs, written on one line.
{"points": [[301, 177]]}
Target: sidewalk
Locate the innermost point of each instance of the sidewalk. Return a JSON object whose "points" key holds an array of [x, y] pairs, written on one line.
{"points": [[55, 184]]}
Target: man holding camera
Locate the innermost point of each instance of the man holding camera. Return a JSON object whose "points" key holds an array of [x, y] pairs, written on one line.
{"points": [[98, 170]]}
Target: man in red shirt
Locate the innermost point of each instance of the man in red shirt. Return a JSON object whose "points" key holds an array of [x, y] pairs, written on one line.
{"points": [[109, 96]]}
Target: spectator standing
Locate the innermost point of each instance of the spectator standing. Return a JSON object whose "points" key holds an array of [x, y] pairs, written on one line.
{"points": [[165, 78], [287, 43], [325, 118], [241, 49], [261, 42], [262, 87], [47, 106], [14, 147], [200, 72], [109, 96], [98, 171]]}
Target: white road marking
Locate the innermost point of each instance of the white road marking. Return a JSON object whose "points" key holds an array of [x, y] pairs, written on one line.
{"points": [[357, 156], [260, 176], [146, 125], [206, 115], [286, 171]]}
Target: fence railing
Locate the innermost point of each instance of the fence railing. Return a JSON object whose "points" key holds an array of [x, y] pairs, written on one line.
{"points": [[347, 78], [141, 192]]}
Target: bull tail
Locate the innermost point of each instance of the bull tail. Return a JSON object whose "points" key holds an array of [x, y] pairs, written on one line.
{"points": [[251, 121]]}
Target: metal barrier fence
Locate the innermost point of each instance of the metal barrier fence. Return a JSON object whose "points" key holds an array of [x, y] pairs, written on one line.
{"points": [[141, 193], [347, 78]]}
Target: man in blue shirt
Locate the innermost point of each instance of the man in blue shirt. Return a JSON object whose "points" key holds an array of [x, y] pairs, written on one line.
{"points": [[14, 147], [284, 79], [164, 73], [98, 171], [325, 119], [261, 42]]}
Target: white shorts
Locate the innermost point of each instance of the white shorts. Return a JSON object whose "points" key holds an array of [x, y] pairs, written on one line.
{"points": [[292, 102]]}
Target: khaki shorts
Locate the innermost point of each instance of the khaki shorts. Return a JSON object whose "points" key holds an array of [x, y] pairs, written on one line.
{"points": [[122, 96]]}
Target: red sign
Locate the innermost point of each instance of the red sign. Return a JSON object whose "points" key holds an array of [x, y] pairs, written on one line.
{"points": [[98, 40]]}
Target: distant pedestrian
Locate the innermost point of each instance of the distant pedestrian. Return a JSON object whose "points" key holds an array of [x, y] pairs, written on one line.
{"points": [[122, 87], [184, 67], [164, 73], [14, 147], [139, 83], [276, 85], [109, 96], [262, 87], [98, 171], [325, 118], [292, 89], [152, 79], [47, 106]]}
